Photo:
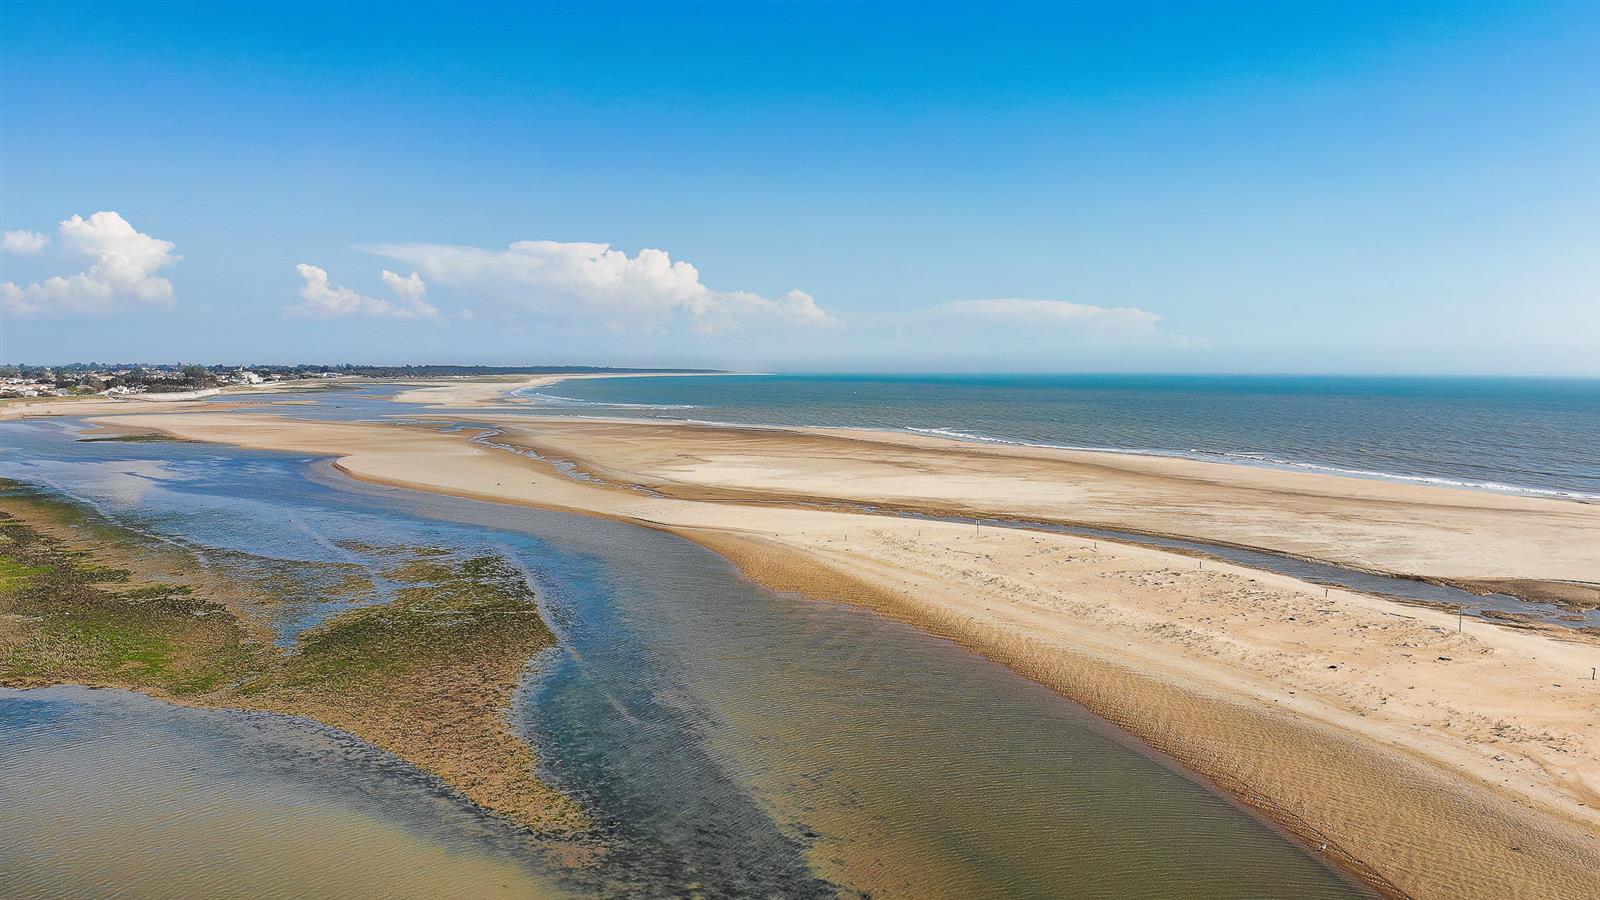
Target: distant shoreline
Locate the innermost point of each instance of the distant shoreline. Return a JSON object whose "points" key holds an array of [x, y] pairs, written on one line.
{"points": [[1249, 460], [469, 392], [479, 391]]}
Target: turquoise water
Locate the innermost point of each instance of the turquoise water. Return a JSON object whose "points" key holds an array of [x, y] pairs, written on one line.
{"points": [[729, 741], [1539, 436]]}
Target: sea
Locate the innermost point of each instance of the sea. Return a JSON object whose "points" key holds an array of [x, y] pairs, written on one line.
{"points": [[1536, 436]]}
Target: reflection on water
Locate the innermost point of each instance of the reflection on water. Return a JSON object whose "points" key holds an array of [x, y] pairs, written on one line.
{"points": [[106, 793], [729, 741]]}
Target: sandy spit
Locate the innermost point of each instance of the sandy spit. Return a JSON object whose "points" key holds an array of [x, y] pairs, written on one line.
{"points": [[472, 392], [1435, 764], [1419, 530]]}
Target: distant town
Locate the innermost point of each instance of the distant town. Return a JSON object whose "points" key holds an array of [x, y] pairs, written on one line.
{"points": [[122, 379]]}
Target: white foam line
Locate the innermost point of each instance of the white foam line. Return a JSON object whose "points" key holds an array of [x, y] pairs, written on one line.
{"points": [[1231, 458], [1261, 459], [986, 439]]}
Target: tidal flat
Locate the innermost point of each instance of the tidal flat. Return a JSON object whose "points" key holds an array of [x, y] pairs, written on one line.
{"points": [[716, 738], [427, 676]]}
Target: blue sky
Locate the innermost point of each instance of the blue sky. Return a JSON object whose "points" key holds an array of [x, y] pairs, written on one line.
{"points": [[1257, 188]]}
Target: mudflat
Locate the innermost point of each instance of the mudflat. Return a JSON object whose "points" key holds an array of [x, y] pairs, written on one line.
{"points": [[428, 676]]}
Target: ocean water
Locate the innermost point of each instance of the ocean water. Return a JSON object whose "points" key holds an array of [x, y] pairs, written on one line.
{"points": [[1523, 435]]}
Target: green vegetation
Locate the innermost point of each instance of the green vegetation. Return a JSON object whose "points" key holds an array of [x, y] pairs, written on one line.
{"points": [[427, 676], [16, 575], [67, 619], [480, 606]]}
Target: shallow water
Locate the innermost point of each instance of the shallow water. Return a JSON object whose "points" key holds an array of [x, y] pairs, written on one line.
{"points": [[729, 740], [106, 793]]}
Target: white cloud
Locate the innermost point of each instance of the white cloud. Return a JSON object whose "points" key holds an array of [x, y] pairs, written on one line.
{"points": [[326, 301], [409, 289], [716, 311], [23, 242], [1052, 312], [647, 291], [122, 266]]}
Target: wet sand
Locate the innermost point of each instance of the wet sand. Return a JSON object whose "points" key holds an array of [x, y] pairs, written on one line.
{"points": [[1432, 762]]}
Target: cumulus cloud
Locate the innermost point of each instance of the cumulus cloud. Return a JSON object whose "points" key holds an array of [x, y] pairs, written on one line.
{"points": [[1052, 312], [323, 300], [24, 243], [122, 263], [647, 291], [410, 289]]}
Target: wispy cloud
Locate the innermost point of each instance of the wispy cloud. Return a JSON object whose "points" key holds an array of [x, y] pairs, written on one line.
{"points": [[324, 300], [555, 280], [1055, 313], [122, 263]]}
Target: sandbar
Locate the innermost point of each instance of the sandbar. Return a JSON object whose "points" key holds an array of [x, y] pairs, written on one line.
{"points": [[1431, 762]]}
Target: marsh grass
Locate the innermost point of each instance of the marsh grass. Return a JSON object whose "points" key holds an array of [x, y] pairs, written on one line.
{"points": [[67, 618], [428, 676]]}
